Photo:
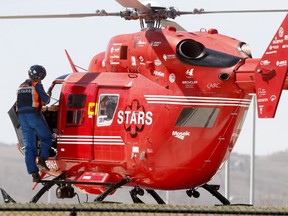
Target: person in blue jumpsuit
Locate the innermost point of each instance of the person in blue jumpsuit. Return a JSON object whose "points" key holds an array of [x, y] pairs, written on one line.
{"points": [[30, 97]]}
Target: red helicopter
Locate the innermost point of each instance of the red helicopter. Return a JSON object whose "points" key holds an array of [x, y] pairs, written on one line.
{"points": [[160, 109]]}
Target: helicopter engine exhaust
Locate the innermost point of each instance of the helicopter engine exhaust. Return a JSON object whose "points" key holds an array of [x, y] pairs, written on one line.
{"points": [[190, 49]]}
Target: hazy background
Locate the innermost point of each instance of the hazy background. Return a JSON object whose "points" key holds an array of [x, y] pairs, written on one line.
{"points": [[269, 190], [27, 42]]}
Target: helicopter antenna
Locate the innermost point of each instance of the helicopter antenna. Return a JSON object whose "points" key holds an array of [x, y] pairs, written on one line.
{"points": [[74, 69]]}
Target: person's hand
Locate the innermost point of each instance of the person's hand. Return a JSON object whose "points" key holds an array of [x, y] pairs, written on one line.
{"points": [[53, 108], [49, 93]]}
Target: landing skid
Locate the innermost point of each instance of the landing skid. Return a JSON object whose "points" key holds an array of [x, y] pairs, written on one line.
{"points": [[138, 191], [111, 189], [46, 186], [65, 189], [6, 197], [213, 189]]}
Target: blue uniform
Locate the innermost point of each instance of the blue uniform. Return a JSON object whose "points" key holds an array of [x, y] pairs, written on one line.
{"points": [[29, 102]]}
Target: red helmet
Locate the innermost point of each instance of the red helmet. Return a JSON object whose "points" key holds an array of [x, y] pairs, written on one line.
{"points": [[37, 72]]}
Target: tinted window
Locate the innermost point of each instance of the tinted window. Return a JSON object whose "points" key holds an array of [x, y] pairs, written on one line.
{"points": [[75, 109], [75, 117], [197, 117], [76, 101]]}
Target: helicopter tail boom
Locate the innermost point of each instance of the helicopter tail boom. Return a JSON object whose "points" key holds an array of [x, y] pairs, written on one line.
{"points": [[271, 72]]}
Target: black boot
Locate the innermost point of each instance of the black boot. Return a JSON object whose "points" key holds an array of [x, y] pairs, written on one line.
{"points": [[41, 164], [36, 177]]}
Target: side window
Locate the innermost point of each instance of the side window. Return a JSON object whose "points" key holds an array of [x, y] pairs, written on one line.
{"points": [[197, 117], [107, 105], [75, 109]]}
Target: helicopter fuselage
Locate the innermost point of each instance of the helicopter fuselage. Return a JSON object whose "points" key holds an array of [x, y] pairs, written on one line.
{"points": [[175, 118]]}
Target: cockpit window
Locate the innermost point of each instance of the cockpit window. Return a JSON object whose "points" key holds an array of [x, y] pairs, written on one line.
{"points": [[56, 91], [106, 109], [197, 117]]}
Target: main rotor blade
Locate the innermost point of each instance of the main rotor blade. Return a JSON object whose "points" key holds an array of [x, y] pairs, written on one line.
{"points": [[202, 11], [49, 16], [134, 4]]}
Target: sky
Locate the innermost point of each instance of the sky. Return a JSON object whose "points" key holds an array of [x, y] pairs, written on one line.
{"points": [[27, 42]]}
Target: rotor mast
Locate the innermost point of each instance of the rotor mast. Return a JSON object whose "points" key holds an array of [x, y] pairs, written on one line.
{"points": [[149, 15]]}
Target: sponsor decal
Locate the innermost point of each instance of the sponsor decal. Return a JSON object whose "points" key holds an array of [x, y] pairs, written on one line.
{"points": [[261, 109], [214, 85], [117, 44], [281, 63], [157, 62], [141, 59], [155, 43], [114, 56], [189, 83], [141, 43], [172, 77], [277, 41], [104, 63], [189, 73], [169, 56], [113, 49], [265, 62], [271, 52], [180, 135], [273, 98], [263, 100], [281, 32], [275, 47], [261, 92], [159, 73], [113, 62], [133, 60]]}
